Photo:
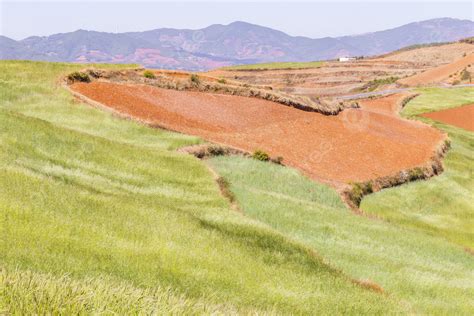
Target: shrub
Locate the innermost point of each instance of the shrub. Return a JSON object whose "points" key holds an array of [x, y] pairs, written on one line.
{"points": [[465, 75], [216, 151], [358, 191], [447, 143], [222, 80], [374, 84], [415, 174], [148, 74], [195, 79], [260, 155], [78, 76], [469, 40]]}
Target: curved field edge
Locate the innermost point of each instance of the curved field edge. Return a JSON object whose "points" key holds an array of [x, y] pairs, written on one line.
{"points": [[354, 193], [442, 206], [94, 197], [425, 273]]}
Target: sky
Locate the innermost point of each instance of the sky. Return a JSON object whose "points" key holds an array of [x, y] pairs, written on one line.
{"points": [[315, 19]]}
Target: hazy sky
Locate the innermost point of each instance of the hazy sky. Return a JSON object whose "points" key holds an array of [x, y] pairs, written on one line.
{"points": [[20, 19]]}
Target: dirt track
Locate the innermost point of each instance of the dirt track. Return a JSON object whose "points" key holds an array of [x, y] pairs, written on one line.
{"points": [[356, 145], [461, 117]]}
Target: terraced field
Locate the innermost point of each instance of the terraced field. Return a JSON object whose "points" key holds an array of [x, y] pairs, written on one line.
{"points": [[276, 65], [335, 78]]}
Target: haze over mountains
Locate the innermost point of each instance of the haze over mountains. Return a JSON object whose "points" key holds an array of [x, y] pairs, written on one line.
{"points": [[222, 45]]}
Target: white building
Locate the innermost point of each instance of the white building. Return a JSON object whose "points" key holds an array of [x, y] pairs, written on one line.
{"points": [[346, 58]]}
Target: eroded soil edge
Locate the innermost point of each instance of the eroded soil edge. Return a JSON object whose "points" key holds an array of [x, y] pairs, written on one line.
{"points": [[353, 194], [182, 81]]}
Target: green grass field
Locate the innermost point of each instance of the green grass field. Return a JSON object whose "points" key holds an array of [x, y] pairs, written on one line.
{"points": [[427, 274], [444, 205], [277, 65], [100, 214]]}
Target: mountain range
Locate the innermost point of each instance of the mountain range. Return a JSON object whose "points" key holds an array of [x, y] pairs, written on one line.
{"points": [[222, 45]]}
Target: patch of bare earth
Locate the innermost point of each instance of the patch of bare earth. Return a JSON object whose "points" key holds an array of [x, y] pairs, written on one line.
{"points": [[461, 116], [355, 146], [438, 74]]}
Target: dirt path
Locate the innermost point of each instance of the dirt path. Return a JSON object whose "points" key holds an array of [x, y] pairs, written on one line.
{"points": [[461, 116], [438, 74], [356, 145]]}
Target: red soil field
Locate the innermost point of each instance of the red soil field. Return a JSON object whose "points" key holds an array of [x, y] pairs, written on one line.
{"points": [[356, 145], [438, 74], [462, 116]]}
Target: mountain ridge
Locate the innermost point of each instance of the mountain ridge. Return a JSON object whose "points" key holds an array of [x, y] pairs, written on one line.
{"points": [[220, 45]]}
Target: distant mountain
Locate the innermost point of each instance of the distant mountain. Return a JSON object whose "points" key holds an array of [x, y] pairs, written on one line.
{"points": [[222, 45], [430, 31]]}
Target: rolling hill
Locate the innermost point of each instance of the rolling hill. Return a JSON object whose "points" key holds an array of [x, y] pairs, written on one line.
{"points": [[102, 215]]}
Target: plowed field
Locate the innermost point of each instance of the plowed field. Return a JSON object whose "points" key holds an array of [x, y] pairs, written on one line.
{"points": [[356, 145], [461, 117]]}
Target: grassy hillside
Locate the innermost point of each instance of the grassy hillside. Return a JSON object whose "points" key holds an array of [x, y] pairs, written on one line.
{"points": [[99, 215], [444, 205], [427, 274], [34, 89], [277, 65]]}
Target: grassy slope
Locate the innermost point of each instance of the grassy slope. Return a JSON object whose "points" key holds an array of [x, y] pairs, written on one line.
{"points": [[427, 273], [443, 205], [101, 207], [276, 65], [33, 89]]}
